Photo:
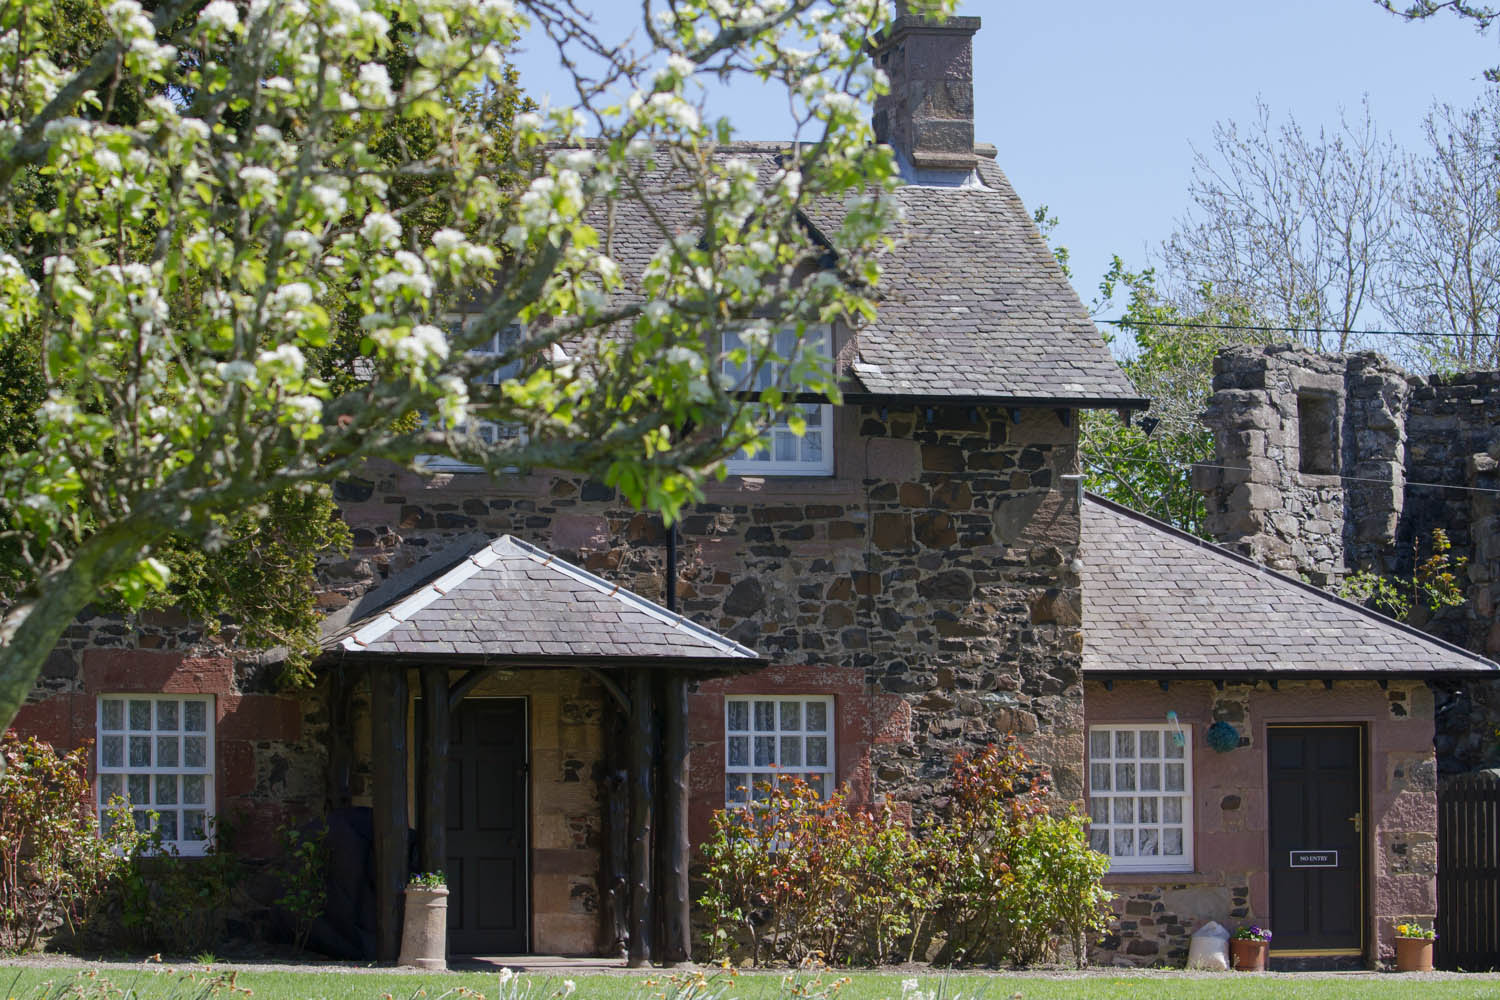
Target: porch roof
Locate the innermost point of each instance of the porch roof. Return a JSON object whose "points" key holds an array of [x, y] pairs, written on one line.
{"points": [[508, 600], [1161, 602]]}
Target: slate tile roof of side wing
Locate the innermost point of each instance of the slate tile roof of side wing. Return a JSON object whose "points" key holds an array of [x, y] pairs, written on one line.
{"points": [[972, 303], [1160, 601], [511, 600]]}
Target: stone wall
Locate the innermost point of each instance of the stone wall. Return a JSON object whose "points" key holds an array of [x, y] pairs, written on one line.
{"points": [[1156, 914], [1416, 453]]}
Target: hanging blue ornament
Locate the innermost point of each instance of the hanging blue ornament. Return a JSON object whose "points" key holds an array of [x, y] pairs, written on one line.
{"points": [[1223, 737]]}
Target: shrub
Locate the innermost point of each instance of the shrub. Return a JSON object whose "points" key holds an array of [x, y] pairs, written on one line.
{"points": [[304, 871], [54, 866], [168, 903], [995, 877]]}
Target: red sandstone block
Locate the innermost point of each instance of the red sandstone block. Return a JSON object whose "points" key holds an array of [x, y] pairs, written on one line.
{"points": [[236, 768], [49, 721], [142, 671], [259, 717]]}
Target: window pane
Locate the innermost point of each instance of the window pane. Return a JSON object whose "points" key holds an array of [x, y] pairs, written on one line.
{"points": [[1124, 777], [765, 716], [166, 715], [1174, 778], [194, 824], [166, 751], [114, 714], [193, 786], [166, 789], [1150, 777], [194, 751], [140, 715], [1148, 843], [785, 446], [142, 820], [195, 716], [138, 788], [166, 822], [1099, 742], [112, 751], [1171, 809], [1124, 809], [812, 447], [817, 716], [817, 751], [1124, 843], [1125, 743], [739, 751], [791, 751], [110, 785], [1171, 841], [1171, 749], [1099, 777], [791, 716], [1099, 841], [765, 751], [140, 751], [737, 715], [762, 787], [1099, 810], [734, 788], [1150, 743], [1147, 808]]}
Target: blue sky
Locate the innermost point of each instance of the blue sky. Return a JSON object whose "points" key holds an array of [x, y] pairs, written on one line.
{"points": [[1096, 106]]}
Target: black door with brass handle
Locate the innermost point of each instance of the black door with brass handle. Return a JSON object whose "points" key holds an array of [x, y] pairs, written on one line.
{"points": [[1317, 862]]}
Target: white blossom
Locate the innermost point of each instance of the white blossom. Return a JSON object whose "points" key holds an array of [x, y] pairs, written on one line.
{"points": [[381, 229], [220, 15]]}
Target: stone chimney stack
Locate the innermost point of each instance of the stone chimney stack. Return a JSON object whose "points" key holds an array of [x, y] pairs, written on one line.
{"points": [[928, 116]]}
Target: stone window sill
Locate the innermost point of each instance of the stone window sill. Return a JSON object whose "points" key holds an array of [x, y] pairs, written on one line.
{"points": [[1160, 878]]}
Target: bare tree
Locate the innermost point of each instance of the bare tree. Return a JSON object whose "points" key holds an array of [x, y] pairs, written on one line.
{"points": [[1296, 227], [1446, 278]]}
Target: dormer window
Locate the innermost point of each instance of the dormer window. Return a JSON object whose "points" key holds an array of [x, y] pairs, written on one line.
{"points": [[783, 451], [491, 432]]}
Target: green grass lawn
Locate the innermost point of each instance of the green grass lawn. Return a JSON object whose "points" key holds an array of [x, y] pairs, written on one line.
{"points": [[116, 983]]}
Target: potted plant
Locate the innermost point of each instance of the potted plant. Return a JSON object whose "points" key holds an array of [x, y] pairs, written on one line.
{"points": [[424, 934], [1248, 947], [1414, 947]]}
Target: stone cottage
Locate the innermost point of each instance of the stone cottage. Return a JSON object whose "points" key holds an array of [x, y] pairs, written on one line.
{"points": [[555, 691]]}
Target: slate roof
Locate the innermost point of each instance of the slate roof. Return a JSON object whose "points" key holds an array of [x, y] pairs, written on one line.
{"points": [[972, 303], [1160, 601], [509, 600]]}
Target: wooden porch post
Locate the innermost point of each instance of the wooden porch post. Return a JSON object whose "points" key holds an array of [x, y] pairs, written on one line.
{"points": [[672, 839], [434, 776], [388, 696], [643, 746]]}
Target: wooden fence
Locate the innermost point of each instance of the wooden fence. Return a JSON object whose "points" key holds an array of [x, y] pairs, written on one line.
{"points": [[1468, 889]]}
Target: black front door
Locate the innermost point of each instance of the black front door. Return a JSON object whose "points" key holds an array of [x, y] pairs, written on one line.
{"points": [[487, 876], [1317, 850]]}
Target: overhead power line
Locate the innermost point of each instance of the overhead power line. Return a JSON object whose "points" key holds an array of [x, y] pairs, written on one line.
{"points": [[1126, 322], [1181, 467]]}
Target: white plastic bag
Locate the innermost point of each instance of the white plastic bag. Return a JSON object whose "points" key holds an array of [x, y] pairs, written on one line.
{"points": [[1209, 948]]}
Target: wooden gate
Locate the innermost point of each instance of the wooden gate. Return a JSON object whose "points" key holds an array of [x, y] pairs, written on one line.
{"points": [[1468, 889]]}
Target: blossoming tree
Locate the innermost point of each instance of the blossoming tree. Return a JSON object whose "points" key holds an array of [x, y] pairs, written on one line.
{"points": [[187, 270]]}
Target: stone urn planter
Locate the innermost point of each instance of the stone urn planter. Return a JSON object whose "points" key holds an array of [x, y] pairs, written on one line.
{"points": [[1248, 956], [424, 933], [1413, 954]]}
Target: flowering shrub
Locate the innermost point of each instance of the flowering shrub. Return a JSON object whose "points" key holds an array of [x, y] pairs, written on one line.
{"points": [[54, 867], [1251, 933], [995, 877]]}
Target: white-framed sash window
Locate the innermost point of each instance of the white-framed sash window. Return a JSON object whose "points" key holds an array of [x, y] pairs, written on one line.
{"points": [[157, 753], [491, 432], [1141, 796], [767, 737], [784, 452]]}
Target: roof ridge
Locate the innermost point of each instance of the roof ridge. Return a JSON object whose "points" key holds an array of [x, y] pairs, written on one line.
{"points": [[1261, 569]]}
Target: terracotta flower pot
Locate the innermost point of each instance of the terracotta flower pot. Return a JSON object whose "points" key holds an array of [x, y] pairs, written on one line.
{"points": [[1413, 954], [424, 933], [1248, 956]]}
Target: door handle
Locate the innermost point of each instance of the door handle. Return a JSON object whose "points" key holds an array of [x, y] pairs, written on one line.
{"points": [[1358, 820]]}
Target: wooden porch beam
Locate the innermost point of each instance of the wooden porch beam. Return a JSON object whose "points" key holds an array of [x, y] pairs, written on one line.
{"points": [[642, 752], [433, 781], [672, 838], [388, 699], [468, 682]]}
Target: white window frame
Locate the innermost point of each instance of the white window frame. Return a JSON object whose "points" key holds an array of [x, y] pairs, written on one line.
{"points": [[746, 775], [491, 431], [819, 415], [1106, 805], [114, 772]]}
